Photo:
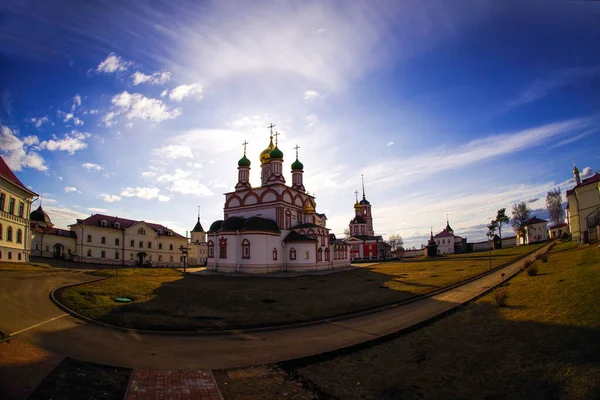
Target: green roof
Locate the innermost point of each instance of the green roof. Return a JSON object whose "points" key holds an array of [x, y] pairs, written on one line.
{"points": [[297, 165], [244, 162], [276, 153]]}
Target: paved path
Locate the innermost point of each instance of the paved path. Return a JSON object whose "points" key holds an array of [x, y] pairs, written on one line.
{"points": [[181, 385], [72, 337]]}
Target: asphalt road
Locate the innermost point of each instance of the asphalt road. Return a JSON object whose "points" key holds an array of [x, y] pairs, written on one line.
{"points": [[27, 313]]}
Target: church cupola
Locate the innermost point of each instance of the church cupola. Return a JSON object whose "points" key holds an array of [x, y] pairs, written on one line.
{"points": [[276, 161], [243, 172], [198, 235], [265, 160], [297, 173], [576, 173]]}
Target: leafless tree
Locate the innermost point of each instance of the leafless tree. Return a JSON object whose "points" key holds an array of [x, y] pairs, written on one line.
{"points": [[395, 241], [554, 206], [520, 216]]}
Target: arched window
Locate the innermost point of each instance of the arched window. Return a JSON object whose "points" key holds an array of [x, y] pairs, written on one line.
{"points": [[274, 254], [160, 246], [47, 248], [89, 252], [320, 254], [116, 255], [19, 236], [102, 254], [246, 249], [89, 238], [288, 219], [160, 232], [292, 253], [117, 225], [103, 240], [149, 245], [141, 244], [326, 254], [1, 231], [19, 256], [9, 234], [222, 247], [211, 249], [10, 255], [171, 246], [116, 241], [132, 243], [103, 223]]}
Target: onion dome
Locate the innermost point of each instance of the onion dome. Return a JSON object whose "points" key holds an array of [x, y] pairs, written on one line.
{"points": [[40, 215], [575, 169], [244, 162], [265, 155], [308, 208], [297, 165], [276, 153], [357, 206], [215, 226], [260, 224]]}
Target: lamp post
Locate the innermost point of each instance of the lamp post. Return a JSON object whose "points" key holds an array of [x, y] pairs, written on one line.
{"points": [[490, 246]]}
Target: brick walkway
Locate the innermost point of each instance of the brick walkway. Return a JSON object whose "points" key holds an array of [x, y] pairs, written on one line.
{"points": [[149, 384], [22, 368]]}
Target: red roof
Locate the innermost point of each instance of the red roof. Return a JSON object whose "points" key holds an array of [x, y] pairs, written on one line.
{"points": [[593, 179], [124, 223], [443, 233], [559, 226], [6, 172]]}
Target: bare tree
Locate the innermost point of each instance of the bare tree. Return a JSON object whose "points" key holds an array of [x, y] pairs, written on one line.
{"points": [[520, 216], [501, 219], [346, 233], [395, 241], [554, 206]]}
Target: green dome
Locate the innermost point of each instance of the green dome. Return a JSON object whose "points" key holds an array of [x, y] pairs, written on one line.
{"points": [[297, 165], [244, 162], [276, 153]]}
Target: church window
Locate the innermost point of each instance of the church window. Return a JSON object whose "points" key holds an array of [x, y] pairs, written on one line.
{"points": [[89, 252], [149, 245], [116, 255], [292, 253], [326, 254], [171, 246], [19, 236], [320, 255], [222, 248], [116, 241], [9, 234], [132, 243], [141, 244], [89, 238], [246, 249], [211, 249], [306, 255], [362, 230], [274, 254], [103, 240], [102, 254], [288, 219], [104, 223], [160, 246], [21, 207]]}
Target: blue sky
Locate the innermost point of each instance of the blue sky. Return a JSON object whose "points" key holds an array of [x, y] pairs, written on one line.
{"points": [[139, 109]]}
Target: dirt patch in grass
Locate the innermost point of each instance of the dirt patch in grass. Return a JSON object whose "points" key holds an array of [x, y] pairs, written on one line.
{"points": [[542, 345], [76, 380], [166, 299]]}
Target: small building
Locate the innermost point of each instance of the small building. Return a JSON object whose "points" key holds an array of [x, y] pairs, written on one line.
{"points": [[197, 246], [535, 230], [584, 207], [557, 231], [48, 241], [449, 243], [15, 205]]}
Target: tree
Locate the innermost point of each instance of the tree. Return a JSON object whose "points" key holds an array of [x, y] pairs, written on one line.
{"points": [[501, 219], [520, 216], [395, 241], [554, 206], [492, 228], [346, 233]]}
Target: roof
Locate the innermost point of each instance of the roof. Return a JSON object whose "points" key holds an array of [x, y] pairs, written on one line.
{"points": [[55, 231], [124, 223], [296, 237], [215, 226], [7, 173], [40, 215], [535, 220], [593, 179], [307, 225], [358, 220], [559, 225], [238, 223], [366, 237], [443, 233], [364, 202], [198, 227]]}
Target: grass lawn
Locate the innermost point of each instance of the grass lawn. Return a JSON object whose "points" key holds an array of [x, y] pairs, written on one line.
{"points": [[225, 302], [544, 344]]}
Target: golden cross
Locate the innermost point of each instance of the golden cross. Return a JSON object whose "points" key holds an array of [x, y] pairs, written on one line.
{"points": [[297, 147], [244, 144], [271, 126], [276, 134]]}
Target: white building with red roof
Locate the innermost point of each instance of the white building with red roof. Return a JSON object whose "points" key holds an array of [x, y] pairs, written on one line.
{"points": [[449, 243], [15, 205], [583, 210]]}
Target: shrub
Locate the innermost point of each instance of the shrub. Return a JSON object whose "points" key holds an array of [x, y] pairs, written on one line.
{"points": [[500, 295], [532, 270], [527, 263], [566, 236], [544, 258]]}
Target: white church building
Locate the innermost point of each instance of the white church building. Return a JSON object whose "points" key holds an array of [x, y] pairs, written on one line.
{"points": [[273, 227]]}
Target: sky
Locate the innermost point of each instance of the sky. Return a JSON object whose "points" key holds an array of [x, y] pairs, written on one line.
{"points": [[139, 109]]}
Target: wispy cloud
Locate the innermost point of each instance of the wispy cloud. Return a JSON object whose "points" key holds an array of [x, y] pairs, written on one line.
{"points": [[92, 166], [311, 95], [573, 138], [194, 91], [110, 198], [71, 142], [113, 63], [146, 193], [157, 78], [69, 189]]}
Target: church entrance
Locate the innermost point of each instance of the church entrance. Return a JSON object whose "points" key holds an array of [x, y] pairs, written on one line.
{"points": [[59, 251], [140, 258]]}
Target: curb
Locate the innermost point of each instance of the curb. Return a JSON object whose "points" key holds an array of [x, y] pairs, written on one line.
{"points": [[286, 326]]}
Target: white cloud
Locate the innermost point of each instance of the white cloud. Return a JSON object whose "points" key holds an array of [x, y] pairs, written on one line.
{"points": [[137, 106], [76, 101], [148, 174], [97, 210], [60, 178], [189, 186], [175, 151], [69, 189], [177, 175], [113, 63], [164, 93], [145, 193], [93, 112], [70, 143], [311, 121], [71, 116], [16, 154], [586, 173], [390, 144], [39, 121], [31, 140], [194, 91], [157, 78], [311, 95], [163, 198], [110, 198], [92, 166]]}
